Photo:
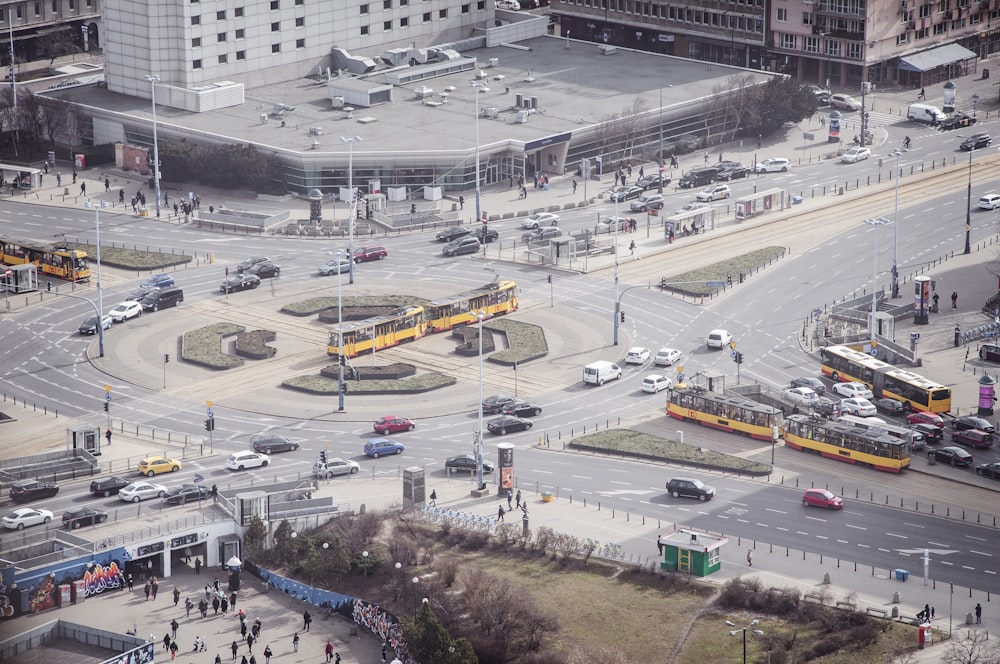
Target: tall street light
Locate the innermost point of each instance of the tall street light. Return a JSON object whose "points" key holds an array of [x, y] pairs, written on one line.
{"points": [[897, 153], [100, 285], [478, 87], [878, 221], [968, 207], [618, 305], [340, 327], [478, 438], [353, 208], [734, 632], [153, 80]]}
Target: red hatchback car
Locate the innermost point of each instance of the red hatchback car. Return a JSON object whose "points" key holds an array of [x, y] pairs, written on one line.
{"points": [[822, 498], [374, 253], [393, 424], [921, 417]]}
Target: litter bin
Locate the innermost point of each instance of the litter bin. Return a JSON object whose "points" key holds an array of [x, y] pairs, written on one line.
{"points": [[902, 574], [931, 459], [548, 496]]}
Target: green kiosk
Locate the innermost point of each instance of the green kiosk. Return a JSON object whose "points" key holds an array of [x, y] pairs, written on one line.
{"points": [[690, 550]]}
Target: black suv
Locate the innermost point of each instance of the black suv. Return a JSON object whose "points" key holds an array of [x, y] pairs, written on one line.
{"points": [[648, 182], [697, 177], [730, 170], [265, 270], [25, 490], [179, 495], [250, 262], [267, 444], [238, 282], [976, 141], [464, 245], [689, 488], [108, 486], [486, 235], [452, 233], [931, 433]]}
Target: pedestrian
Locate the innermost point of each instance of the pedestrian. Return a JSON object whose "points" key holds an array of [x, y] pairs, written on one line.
{"points": [[720, 157], [154, 586], [211, 209], [166, 642], [758, 142], [673, 161], [234, 648], [511, 181], [383, 652], [177, 595], [197, 566], [208, 592], [329, 651], [706, 159], [256, 627], [629, 169], [173, 628], [954, 299], [267, 654], [203, 608], [74, 176], [574, 186], [250, 643], [218, 658], [749, 557], [59, 179], [215, 604], [225, 605], [215, 584], [83, 188], [434, 498], [979, 613], [215, 498], [618, 177], [936, 298], [306, 619], [188, 605], [295, 642], [130, 582], [510, 500], [642, 172], [336, 658], [461, 202], [243, 629], [173, 650], [46, 165], [244, 660], [517, 498], [500, 513], [631, 248], [232, 600], [147, 589]]}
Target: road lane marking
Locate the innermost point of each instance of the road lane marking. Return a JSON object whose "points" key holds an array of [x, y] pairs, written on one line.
{"points": [[937, 544], [967, 567], [776, 511], [842, 542], [978, 539], [814, 518], [883, 550], [822, 537], [864, 546], [899, 536], [945, 562], [912, 525], [581, 477], [763, 525], [782, 529], [988, 571], [848, 525], [801, 532], [980, 553]]}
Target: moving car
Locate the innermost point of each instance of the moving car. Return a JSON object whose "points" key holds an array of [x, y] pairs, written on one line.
{"points": [[822, 94], [158, 281], [508, 423], [802, 396], [855, 154], [773, 165], [732, 171], [168, 296], [698, 177], [452, 233], [23, 517], [714, 193], [265, 270], [124, 311], [922, 417], [179, 495], [89, 326], [335, 466], [268, 444], [991, 470], [83, 516], [541, 235], [240, 282], [156, 465], [976, 142], [822, 498], [485, 234], [690, 488], [853, 390], [989, 352], [540, 219], [379, 447], [889, 406], [691, 207], [972, 422], [464, 245], [373, 253], [957, 120], [24, 490], [512, 5], [989, 202], [247, 459], [956, 456], [625, 193], [666, 357], [858, 406], [250, 262], [495, 404], [137, 491], [522, 408], [466, 462], [108, 486], [393, 424], [844, 102], [647, 202], [931, 433], [719, 339], [597, 373], [136, 294], [335, 266], [973, 438], [814, 384], [653, 383], [637, 355], [607, 225], [648, 182]]}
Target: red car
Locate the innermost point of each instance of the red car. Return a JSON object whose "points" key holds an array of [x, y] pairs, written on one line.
{"points": [[822, 498], [921, 417], [393, 424], [374, 253]]}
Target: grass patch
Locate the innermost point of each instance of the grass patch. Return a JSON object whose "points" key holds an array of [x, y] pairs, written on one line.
{"points": [[525, 341], [693, 281], [627, 443], [204, 346], [322, 385], [315, 305], [135, 259]]}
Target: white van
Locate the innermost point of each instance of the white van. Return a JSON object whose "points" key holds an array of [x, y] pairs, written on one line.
{"points": [[925, 113], [596, 373]]}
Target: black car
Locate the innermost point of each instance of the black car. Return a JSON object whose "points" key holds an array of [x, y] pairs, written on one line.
{"points": [[973, 437], [508, 423], [25, 490], [486, 235], [991, 470], [734, 172], [265, 444], [250, 262], [136, 294], [989, 352], [814, 384], [826, 407], [90, 325], [957, 120], [972, 422], [463, 245], [452, 233], [239, 282], [83, 516], [108, 486], [956, 456], [625, 193], [494, 405], [690, 488], [179, 495], [265, 270], [650, 182], [931, 433], [466, 462], [889, 406], [522, 408], [976, 142]]}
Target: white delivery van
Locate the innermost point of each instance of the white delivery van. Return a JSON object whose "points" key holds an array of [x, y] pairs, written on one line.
{"points": [[596, 373], [925, 113]]}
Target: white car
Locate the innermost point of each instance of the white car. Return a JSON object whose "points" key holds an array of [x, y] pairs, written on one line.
{"points": [[774, 165], [666, 357], [691, 207], [124, 311], [23, 517], [714, 193], [989, 202], [858, 406], [845, 102], [540, 219], [637, 355], [607, 225], [137, 491], [853, 390], [719, 339], [802, 396], [855, 155], [513, 5], [247, 459], [655, 382]]}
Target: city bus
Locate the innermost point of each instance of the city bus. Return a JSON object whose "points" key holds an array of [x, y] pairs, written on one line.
{"points": [[54, 260], [496, 298], [915, 392], [726, 413], [845, 442], [404, 324], [914, 439]]}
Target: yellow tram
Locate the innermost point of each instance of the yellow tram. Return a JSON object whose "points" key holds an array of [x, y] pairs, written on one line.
{"points": [[54, 260], [726, 413]]}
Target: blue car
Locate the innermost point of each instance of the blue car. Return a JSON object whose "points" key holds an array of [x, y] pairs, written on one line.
{"points": [[377, 447], [158, 281]]}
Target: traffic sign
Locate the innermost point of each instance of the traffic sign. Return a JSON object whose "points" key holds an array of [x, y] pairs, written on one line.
{"points": [[732, 345], [680, 378], [732, 354], [874, 352], [107, 397], [209, 413]]}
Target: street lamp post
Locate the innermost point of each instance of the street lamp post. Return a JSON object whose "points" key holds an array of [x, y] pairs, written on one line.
{"points": [[340, 329], [153, 80], [617, 309], [968, 207], [364, 558], [100, 285], [353, 207], [479, 87], [478, 438], [416, 580], [895, 229], [736, 631], [878, 221], [398, 567], [975, 103]]}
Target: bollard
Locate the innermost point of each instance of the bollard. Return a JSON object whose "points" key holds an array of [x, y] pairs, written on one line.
{"points": [[895, 599], [826, 579]]}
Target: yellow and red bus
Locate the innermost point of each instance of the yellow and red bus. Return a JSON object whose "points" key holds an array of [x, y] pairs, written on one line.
{"points": [[405, 324], [726, 413], [916, 392], [54, 260], [845, 442], [496, 298]]}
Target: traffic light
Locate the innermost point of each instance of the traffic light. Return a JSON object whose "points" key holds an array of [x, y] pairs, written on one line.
{"points": [[623, 316], [738, 358], [210, 424], [166, 358], [550, 278], [322, 456], [107, 407], [48, 286]]}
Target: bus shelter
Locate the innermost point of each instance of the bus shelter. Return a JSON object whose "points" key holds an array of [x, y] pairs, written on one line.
{"points": [[689, 222], [20, 177], [760, 202]]}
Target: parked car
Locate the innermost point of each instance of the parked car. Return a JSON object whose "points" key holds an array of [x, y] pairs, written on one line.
{"points": [[495, 404], [540, 219], [452, 233], [666, 357], [923, 417], [338, 265], [802, 396], [83, 516], [89, 326], [889, 406], [855, 154], [379, 447], [124, 311], [853, 390], [393, 424], [625, 193], [522, 408], [719, 339], [247, 459], [137, 491], [108, 486], [698, 177], [976, 142], [23, 491], [250, 262], [157, 465], [956, 456], [269, 444], [814, 384], [653, 383], [637, 355], [240, 282], [844, 102], [541, 235], [466, 462], [931, 433], [858, 406], [822, 498], [265, 270], [991, 470], [649, 182], [773, 165], [973, 438], [136, 294], [956, 121], [713, 193], [376, 252], [463, 245], [508, 423], [184, 493], [485, 234], [732, 171], [972, 422], [161, 298], [690, 488], [158, 281], [647, 202], [335, 466], [23, 517], [989, 202], [607, 224]]}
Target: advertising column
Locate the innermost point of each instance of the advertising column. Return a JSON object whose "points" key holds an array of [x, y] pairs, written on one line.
{"points": [[505, 467], [921, 299]]}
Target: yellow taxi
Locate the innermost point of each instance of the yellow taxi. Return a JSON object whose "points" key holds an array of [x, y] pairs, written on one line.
{"points": [[156, 465]]}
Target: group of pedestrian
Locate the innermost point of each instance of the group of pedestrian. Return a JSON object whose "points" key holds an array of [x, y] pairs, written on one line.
{"points": [[151, 588]]}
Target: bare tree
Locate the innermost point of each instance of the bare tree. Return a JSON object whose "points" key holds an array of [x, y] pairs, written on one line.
{"points": [[616, 133], [56, 44], [722, 110], [54, 118], [975, 648]]}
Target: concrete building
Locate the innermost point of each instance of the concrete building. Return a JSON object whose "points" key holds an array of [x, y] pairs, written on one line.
{"points": [[31, 22]]}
